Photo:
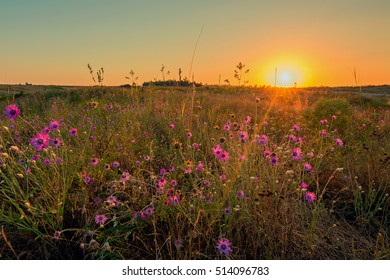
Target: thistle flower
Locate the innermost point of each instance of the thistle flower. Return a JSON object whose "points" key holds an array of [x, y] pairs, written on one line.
{"points": [[310, 196]]}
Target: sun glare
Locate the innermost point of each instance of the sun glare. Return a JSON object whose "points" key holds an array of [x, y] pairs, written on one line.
{"points": [[286, 72]]}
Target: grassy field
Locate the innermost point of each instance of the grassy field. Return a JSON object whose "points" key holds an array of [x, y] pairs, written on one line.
{"points": [[170, 173]]}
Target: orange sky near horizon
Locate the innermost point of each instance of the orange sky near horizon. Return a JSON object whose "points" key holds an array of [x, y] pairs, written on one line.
{"points": [[310, 43]]}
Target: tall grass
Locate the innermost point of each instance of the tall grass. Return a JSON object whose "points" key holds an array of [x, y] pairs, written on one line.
{"points": [[140, 179]]}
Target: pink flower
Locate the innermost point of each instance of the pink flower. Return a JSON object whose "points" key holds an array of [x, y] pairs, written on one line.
{"points": [[307, 166], [11, 111], [223, 246], [303, 185], [262, 139], [94, 161], [189, 134], [40, 141], [339, 142], [247, 119], [296, 154], [171, 125], [274, 160], [227, 127], [243, 136], [73, 131], [100, 219], [310, 196], [56, 142], [296, 127], [54, 125]]}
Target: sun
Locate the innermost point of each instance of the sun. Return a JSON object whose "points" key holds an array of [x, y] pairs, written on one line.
{"points": [[285, 72]]}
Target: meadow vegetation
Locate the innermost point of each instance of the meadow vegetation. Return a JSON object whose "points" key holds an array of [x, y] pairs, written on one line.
{"points": [[194, 173]]}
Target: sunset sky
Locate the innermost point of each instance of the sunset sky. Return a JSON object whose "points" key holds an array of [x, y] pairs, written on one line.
{"points": [[310, 42]]}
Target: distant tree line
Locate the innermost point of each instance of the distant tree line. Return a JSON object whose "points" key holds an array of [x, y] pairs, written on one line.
{"points": [[182, 83]]}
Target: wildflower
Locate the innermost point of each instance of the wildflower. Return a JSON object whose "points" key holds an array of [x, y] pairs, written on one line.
{"points": [[339, 142], [107, 166], [54, 125], [147, 212], [200, 166], [324, 121], [240, 194], [73, 131], [217, 150], [243, 136], [274, 160], [296, 154], [223, 177], [195, 146], [56, 142], [57, 234], [303, 185], [227, 211], [100, 219], [163, 171], [171, 168], [58, 160], [224, 156], [173, 183], [189, 134], [307, 166], [292, 138], [88, 180], [94, 161], [115, 164], [227, 127], [113, 200], [125, 176], [323, 133], [311, 154], [171, 125], [241, 158], [296, 127], [247, 119], [40, 141], [265, 123], [310, 196], [207, 182], [334, 117], [223, 245], [267, 153], [97, 201], [161, 183], [46, 130], [262, 139], [11, 111]]}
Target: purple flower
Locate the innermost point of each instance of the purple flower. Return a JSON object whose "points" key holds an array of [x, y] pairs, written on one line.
{"points": [[54, 125], [94, 161], [339, 142], [115, 164], [113, 200], [296, 154], [224, 156], [296, 127], [243, 136], [100, 219], [307, 166], [200, 166], [11, 111], [179, 243], [223, 246], [303, 185], [56, 142], [262, 139], [274, 160], [73, 131], [40, 141], [310, 196], [240, 194]]}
